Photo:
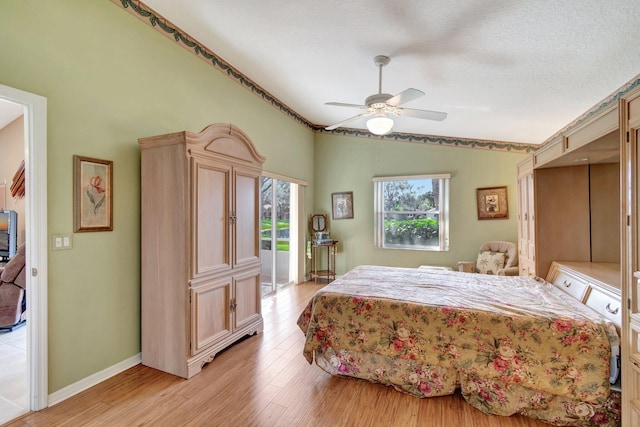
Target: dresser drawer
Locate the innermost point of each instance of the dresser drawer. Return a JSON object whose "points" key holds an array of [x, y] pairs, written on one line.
{"points": [[607, 305], [571, 285]]}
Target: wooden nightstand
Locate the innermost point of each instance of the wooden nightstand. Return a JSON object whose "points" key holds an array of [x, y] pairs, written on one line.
{"points": [[328, 274]]}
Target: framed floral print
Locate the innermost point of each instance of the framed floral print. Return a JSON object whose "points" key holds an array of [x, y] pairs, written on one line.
{"points": [[492, 203], [92, 194]]}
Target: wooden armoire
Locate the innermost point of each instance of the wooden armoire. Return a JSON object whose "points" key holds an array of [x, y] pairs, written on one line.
{"points": [[200, 246]]}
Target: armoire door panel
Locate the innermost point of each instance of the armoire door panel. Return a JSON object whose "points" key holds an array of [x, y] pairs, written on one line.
{"points": [[247, 249], [210, 312], [211, 218], [247, 298]]}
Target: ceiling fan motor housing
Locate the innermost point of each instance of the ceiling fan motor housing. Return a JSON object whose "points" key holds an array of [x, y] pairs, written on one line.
{"points": [[379, 98], [381, 60]]}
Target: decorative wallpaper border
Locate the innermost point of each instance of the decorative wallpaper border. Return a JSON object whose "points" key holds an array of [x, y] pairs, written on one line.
{"points": [[155, 20], [481, 144], [605, 103]]}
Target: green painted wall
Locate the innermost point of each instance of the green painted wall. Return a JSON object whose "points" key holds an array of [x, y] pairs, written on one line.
{"points": [[110, 79], [348, 164]]}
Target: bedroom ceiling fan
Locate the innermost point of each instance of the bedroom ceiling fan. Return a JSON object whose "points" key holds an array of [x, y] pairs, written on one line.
{"points": [[383, 105]]}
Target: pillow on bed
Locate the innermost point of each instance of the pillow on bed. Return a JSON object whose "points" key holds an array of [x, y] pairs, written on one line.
{"points": [[489, 262]]}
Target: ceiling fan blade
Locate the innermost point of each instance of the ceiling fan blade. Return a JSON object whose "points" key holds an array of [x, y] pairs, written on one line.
{"points": [[342, 104], [421, 114], [350, 119], [404, 97]]}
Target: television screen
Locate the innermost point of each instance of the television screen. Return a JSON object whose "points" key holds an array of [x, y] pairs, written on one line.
{"points": [[8, 234]]}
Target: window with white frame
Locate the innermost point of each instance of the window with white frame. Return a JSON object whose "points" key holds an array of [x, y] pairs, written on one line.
{"points": [[412, 212]]}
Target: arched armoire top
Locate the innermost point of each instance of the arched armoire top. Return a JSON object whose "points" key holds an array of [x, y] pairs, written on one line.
{"points": [[226, 140]]}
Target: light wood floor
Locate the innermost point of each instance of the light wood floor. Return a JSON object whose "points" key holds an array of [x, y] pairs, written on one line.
{"points": [[13, 374], [261, 381]]}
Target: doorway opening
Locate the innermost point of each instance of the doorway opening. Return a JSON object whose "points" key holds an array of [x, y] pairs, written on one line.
{"points": [[14, 378], [34, 111]]}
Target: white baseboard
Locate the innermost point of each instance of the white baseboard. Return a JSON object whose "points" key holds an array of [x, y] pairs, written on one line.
{"points": [[85, 383]]}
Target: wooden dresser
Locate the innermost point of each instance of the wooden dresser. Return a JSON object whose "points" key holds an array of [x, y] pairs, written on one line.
{"points": [[597, 285], [200, 246]]}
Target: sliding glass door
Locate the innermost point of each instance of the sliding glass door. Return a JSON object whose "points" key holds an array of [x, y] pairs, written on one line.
{"points": [[278, 231]]}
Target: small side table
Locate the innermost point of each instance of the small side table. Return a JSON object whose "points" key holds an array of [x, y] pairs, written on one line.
{"points": [[330, 273]]}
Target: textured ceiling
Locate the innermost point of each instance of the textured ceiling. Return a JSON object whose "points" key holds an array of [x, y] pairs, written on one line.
{"points": [[503, 70]]}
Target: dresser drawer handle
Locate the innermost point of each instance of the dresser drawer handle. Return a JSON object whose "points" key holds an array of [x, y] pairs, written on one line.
{"points": [[608, 308], [566, 285]]}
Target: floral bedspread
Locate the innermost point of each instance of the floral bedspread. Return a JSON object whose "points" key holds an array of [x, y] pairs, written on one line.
{"points": [[511, 344]]}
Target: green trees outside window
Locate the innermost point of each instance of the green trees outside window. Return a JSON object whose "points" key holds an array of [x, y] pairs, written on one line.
{"points": [[282, 227], [411, 212]]}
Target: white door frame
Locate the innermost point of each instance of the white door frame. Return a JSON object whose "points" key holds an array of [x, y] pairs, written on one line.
{"points": [[35, 159], [298, 222]]}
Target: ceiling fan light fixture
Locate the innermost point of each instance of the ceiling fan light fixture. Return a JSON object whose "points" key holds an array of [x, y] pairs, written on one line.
{"points": [[380, 124]]}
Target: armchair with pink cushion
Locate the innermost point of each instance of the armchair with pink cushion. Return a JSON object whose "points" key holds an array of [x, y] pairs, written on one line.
{"points": [[495, 257], [13, 286]]}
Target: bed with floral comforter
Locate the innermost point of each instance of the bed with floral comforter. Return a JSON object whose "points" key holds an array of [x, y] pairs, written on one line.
{"points": [[511, 344]]}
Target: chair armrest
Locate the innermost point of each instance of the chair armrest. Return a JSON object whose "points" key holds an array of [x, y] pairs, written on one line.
{"points": [[511, 271], [466, 266]]}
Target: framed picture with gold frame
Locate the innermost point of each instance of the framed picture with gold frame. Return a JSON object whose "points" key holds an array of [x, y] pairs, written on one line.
{"points": [[492, 203], [92, 194]]}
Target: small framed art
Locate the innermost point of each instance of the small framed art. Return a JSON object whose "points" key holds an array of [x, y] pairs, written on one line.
{"points": [[492, 203], [342, 205], [92, 194]]}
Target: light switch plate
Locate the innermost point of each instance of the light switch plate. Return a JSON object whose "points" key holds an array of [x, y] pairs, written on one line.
{"points": [[61, 242]]}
